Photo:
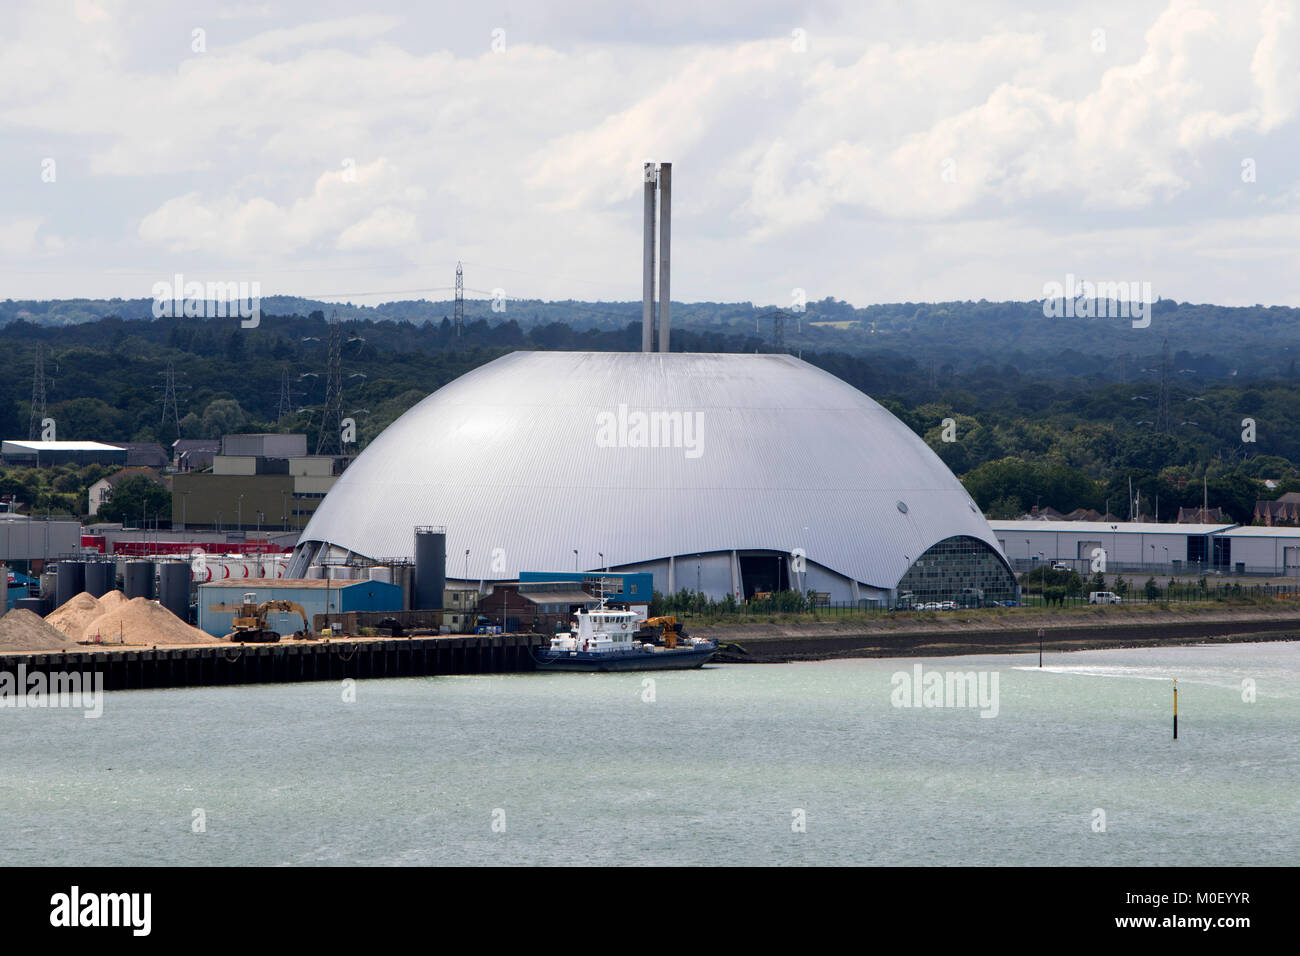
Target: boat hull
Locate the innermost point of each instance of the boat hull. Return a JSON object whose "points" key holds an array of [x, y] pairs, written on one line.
{"points": [[683, 659]]}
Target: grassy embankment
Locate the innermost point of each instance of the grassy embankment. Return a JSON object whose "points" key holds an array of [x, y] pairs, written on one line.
{"points": [[1000, 617]]}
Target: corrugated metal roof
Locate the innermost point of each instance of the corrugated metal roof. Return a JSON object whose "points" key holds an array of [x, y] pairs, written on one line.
{"points": [[63, 445], [266, 584], [1263, 531], [512, 460], [559, 597], [1097, 527]]}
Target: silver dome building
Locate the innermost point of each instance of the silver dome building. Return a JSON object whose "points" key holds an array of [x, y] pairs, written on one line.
{"points": [[718, 473]]}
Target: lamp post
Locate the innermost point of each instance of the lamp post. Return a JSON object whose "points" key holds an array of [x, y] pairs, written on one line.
{"points": [[467, 564], [575, 559], [284, 510]]}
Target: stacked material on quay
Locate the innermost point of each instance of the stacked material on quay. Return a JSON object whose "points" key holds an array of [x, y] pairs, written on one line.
{"points": [[21, 630], [141, 621], [113, 619], [112, 600], [72, 617]]}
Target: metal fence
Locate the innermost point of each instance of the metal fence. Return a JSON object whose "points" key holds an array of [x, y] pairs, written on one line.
{"points": [[1168, 569], [1137, 592], [743, 609]]}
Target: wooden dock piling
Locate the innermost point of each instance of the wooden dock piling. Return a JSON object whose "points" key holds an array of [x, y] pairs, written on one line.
{"points": [[288, 661]]}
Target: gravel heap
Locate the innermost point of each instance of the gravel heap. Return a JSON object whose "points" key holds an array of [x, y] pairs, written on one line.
{"points": [[21, 630], [141, 621], [71, 618]]}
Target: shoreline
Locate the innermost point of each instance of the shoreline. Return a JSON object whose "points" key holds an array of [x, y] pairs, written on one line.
{"points": [[757, 643], [759, 648]]}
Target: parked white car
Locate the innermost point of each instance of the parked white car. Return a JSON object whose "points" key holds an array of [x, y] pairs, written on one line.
{"points": [[1104, 597]]}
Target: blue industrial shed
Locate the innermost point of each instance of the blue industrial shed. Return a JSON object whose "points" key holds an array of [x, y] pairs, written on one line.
{"points": [[313, 594], [634, 587]]}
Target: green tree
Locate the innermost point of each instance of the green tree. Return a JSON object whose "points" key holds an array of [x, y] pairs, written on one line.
{"points": [[223, 416], [134, 497]]}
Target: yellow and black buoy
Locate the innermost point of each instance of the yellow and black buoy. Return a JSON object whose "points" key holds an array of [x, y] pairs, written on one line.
{"points": [[1175, 708]]}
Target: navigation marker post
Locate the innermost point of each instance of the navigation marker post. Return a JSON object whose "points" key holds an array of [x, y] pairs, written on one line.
{"points": [[1175, 708]]}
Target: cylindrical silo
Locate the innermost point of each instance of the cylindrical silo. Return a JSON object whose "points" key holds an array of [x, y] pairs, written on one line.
{"points": [[403, 577], [430, 568], [35, 605], [174, 588], [381, 573], [100, 577], [137, 580], [70, 581]]}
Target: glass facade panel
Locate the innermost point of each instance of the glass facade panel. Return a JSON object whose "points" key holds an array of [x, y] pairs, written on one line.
{"points": [[960, 569]]}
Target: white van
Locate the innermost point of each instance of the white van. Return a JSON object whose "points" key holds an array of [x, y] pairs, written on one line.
{"points": [[1104, 597]]}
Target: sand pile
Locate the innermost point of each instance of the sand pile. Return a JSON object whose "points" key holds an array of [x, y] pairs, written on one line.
{"points": [[21, 630], [141, 621], [111, 601], [71, 618]]}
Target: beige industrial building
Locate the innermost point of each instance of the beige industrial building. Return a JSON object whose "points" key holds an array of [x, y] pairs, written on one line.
{"points": [[258, 481]]}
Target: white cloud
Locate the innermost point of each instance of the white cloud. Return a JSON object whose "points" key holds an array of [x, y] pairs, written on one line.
{"points": [[340, 204], [889, 131], [385, 228], [18, 235]]}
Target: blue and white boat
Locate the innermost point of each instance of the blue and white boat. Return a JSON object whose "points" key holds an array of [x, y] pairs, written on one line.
{"points": [[605, 639]]}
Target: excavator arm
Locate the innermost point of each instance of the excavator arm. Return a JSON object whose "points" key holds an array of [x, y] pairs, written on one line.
{"points": [[286, 607], [249, 621]]}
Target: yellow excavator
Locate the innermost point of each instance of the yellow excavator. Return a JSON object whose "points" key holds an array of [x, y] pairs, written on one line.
{"points": [[668, 626], [249, 624]]}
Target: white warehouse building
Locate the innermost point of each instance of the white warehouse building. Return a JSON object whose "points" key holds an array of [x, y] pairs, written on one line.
{"points": [[1148, 547]]}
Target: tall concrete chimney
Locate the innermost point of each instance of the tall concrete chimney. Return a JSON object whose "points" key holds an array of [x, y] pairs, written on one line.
{"points": [[665, 243], [648, 265]]}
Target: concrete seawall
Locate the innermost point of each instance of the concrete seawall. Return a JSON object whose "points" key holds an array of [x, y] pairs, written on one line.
{"points": [[287, 661], [764, 648]]}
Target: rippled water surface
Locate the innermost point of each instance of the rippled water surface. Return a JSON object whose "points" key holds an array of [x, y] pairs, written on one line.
{"points": [[720, 767]]}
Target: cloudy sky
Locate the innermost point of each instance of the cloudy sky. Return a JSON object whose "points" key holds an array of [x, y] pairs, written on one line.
{"points": [[870, 152]]}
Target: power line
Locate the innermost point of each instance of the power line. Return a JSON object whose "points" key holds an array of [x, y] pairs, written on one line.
{"points": [[286, 397], [329, 438], [460, 302], [34, 425], [169, 399], [1162, 406]]}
